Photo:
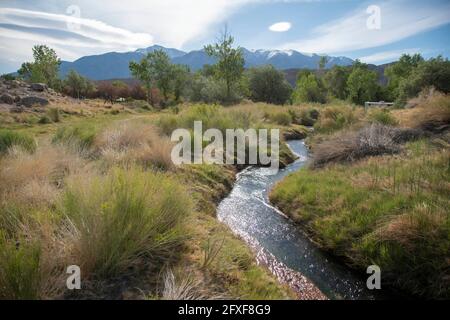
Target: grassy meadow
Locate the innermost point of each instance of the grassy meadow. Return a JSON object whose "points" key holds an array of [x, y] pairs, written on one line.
{"points": [[98, 189]]}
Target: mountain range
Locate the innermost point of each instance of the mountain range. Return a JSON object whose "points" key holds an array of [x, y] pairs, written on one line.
{"points": [[114, 65]]}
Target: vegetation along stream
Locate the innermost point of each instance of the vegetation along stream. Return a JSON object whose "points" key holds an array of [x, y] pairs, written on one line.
{"points": [[279, 243]]}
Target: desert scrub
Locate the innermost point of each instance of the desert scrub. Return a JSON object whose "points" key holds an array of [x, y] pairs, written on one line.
{"points": [[389, 211], [129, 218], [9, 138]]}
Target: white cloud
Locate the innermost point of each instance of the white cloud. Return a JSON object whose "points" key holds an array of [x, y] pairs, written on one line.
{"points": [[399, 20], [280, 27], [385, 56]]}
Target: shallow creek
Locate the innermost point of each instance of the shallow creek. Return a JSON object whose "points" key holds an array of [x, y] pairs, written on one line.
{"points": [[281, 245]]}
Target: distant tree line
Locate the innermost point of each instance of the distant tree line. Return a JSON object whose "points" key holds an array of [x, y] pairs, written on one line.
{"points": [[162, 83]]}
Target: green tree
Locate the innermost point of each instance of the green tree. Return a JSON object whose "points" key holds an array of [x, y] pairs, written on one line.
{"points": [[269, 85], [44, 68], [309, 88], [432, 73], [77, 85], [362, 84], [335, 81], [323, 62], [401, 70], [154, 69], [144, 72], [230, 61], [181, 77]]}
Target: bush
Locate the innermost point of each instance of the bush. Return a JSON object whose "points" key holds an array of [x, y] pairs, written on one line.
{"points": [[382, 116], [267, 84], [333, 118], [281, 118], [9, 138], [125, 217], [370, 141]]}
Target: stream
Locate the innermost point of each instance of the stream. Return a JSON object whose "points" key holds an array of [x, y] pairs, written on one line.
{"points": [[281, 245]]}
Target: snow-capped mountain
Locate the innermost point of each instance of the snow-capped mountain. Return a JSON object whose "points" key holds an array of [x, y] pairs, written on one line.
{"points": [[114, 65]]}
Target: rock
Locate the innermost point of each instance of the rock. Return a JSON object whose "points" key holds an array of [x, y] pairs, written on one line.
{"points": [[38, 87], [33, 100], [7, 98], [16, 109]]}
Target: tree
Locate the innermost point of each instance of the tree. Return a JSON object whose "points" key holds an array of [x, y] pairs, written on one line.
{"points": [[77, 86], [323, 62], [268, 85], [180, 78], [230, 61], [362, 84], [335, 81], [144, 72], [309, 88], [432, 73], [155, 69], [44, 68], [401, 70]]}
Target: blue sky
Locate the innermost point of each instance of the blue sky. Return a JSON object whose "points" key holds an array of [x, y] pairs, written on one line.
{"points": [[337, 27]]}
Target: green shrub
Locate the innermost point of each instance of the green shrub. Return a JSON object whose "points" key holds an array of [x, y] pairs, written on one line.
{"points": [[9, 138], [281, 118], [81, 135], [333, 118], [124, 217], [382, 116]]}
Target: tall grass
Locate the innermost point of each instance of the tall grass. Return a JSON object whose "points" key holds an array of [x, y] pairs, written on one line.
{"points": [[385, 210], [123, 218], [9, 138], [130, 144], [80, 136], [336, 117]]}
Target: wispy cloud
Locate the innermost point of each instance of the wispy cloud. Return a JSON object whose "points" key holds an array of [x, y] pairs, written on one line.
{"points": [[280, 27], [399, 20], [36, 25]]}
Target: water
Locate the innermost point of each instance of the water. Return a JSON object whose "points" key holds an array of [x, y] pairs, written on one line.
{"points": [[248, 213]]}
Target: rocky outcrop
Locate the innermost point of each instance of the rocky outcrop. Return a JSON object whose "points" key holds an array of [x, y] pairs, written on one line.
{"points": [[7, 98], [32, 101], [39, 87]]}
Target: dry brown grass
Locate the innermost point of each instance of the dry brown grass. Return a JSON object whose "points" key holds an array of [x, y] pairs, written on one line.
{"points": [[431, 112], [35, 178], [131, 144], [350, 146]]}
